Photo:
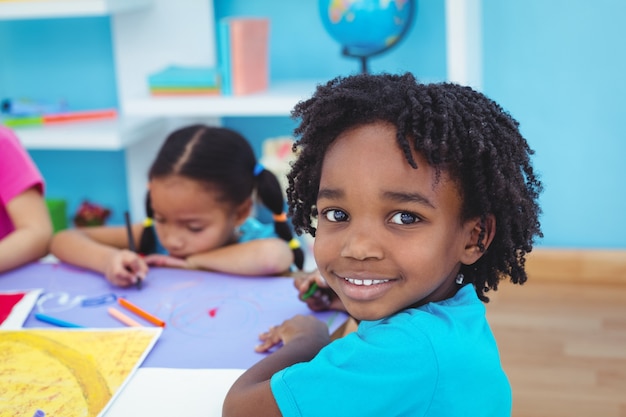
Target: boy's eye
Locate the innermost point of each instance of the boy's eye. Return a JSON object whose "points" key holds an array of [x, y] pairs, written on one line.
{"points": [[195, 229], [404, 218], [335, 215]]}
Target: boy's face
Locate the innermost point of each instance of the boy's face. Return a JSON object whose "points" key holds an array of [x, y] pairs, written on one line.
{"points": [[388, 236]]}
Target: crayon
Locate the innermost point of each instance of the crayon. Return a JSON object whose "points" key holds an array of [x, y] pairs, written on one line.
{"points": [[314, 287], [140, 312], [55, 321], [123, 318]]}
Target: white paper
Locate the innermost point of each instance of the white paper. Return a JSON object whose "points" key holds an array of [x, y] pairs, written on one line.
{"points": [[170, 392], [21, 310]]}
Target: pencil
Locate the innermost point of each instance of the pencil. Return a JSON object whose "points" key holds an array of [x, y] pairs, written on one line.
{"points": [[314, 287], [131, 242], [140, 312], [123, 318], [55, 321]]}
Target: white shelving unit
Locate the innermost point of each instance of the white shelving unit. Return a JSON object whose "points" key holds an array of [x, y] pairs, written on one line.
{"points": [[106, 135], [279, 100], [45, 9], [149, 35]]}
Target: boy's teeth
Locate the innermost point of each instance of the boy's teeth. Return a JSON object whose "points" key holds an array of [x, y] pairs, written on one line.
{"points": [[366, 282]]}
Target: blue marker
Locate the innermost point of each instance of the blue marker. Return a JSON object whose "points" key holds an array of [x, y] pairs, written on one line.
{"points": [[39, 413], [56, 322]]}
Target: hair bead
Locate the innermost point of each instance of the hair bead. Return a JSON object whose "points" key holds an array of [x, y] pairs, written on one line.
{"points": [[258, 168], [294, 243], [281, 218]]}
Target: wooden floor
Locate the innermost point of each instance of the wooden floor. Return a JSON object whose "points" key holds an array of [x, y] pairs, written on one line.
{"points": [[563, 347]]}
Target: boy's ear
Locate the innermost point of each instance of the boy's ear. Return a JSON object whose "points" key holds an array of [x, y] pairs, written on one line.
{"points": [[243, 211], [472, 251]]}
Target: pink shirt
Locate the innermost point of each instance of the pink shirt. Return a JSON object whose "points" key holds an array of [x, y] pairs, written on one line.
{"points": [[18, 173]]}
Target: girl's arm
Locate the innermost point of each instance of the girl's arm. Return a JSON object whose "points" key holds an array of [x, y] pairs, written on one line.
{"points": [[270, 256], [251, 395], [102, 249], [33, 230]]}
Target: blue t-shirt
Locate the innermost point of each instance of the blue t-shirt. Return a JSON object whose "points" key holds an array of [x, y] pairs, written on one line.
{"points": [[251, 229], [440, 359]]}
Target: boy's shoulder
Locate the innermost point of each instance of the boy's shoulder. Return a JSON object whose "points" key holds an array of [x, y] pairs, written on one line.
{"points": [[464, 306]]}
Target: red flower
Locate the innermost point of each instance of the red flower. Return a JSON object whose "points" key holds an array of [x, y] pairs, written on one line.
{"points": [[90, 214]]}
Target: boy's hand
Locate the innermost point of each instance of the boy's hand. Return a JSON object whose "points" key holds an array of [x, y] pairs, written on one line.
{"points": [[322, 299], [298, 327], [125, 268]]}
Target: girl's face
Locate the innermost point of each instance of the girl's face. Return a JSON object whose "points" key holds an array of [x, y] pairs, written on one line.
{"points": [[388, 236], [188, 217]]}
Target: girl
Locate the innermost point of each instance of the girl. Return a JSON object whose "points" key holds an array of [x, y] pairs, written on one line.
{"points": [[421, 197], [25, 225], [200, 198]]}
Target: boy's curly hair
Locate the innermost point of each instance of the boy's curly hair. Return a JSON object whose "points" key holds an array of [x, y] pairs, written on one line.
{"points": [[458, 130]]}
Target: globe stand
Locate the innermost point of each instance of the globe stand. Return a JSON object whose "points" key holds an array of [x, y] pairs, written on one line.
{"points": [[364, 57]]}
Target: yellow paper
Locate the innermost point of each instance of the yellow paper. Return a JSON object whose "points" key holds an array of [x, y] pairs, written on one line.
{"points": [[68, 372]]}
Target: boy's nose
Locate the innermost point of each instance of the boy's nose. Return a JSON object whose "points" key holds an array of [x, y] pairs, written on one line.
{"points": [[362, 243]]}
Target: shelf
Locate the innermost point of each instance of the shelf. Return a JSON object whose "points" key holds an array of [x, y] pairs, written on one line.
{"points": [[44, 9], [93, 135], [279, 100]]}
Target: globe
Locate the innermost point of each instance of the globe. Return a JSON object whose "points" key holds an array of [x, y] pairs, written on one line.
{"points": [[366, 27]]}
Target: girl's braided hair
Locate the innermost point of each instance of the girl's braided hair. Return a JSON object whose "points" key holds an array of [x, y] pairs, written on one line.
{"points": [[458, 130], [224, 159]]}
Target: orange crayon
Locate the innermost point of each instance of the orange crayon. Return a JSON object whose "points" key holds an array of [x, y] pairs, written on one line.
{"points": [[140, 312]]}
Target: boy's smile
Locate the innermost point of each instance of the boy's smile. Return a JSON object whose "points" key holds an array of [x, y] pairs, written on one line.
{"points": [[388, 236]]}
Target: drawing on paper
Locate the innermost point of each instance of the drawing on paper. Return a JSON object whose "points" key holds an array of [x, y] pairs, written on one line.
{"points": [[15, 306], [68, 372]]}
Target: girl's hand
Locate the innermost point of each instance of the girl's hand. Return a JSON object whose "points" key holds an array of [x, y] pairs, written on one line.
{"points": [[167, 261], [124, 268], [298, 327], [322, 299]]}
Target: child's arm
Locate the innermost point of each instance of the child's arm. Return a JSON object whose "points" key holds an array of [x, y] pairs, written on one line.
{"points": [[270, 256], [33, 230], [102, 249], [251, 395]]}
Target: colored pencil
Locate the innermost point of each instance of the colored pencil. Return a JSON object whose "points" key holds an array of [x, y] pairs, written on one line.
{"points": [[123, 318], [55, 321], [131, 242], [76, 116], [140, 312]]}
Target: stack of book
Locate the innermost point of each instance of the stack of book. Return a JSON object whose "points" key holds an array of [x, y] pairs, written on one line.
{"points": [[179, 80], [243, 55]]}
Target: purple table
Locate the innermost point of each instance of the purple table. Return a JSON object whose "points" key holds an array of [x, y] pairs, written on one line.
{"points": [[212, 320]]}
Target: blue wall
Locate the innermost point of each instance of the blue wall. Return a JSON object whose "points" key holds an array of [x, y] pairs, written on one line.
{"points": [[556, 65], [97, 176], [68, 60], [58, 59]]}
